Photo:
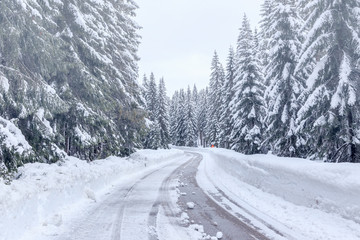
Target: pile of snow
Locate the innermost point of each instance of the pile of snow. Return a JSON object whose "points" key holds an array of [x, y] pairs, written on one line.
{"points": [[43, 191], [301, 198], [219, 235], [190, 205]]}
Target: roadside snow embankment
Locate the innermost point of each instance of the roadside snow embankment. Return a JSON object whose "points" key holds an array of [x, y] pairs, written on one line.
{"points": [[331, 187], [43, 190], [312, 199]]}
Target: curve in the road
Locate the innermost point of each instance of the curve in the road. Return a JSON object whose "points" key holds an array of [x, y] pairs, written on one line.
{"points": [[209, 213]]}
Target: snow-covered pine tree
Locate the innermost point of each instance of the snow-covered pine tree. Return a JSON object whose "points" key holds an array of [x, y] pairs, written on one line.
{"points": [[247, 105], [152, 96], [195, 103], [163, 115], [191, 138], [284, 87], [266, 32], [174, 110], [215, 95], [226, 124], [202, 117], [329, 118], [153, 138], [145, 90], [181, 123]]}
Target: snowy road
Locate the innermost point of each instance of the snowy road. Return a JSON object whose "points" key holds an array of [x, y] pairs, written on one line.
{"points": [[197, 194], [128, 210], [152, 206], [209, 212]]}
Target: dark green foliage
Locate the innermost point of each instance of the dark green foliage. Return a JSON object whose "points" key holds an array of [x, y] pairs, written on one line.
{"points": [[69, 85]]}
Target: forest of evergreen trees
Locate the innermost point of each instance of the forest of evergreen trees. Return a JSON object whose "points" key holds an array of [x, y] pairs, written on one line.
{"points": [[68, 81], [292, 88]]}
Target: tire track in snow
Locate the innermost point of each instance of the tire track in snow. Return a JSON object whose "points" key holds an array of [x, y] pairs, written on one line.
{"points": [[116, 233], [164, 200], [106, 219], [141, 202]]}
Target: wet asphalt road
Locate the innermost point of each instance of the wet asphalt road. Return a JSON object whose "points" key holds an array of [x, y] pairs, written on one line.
{"points": [[207, 212]]}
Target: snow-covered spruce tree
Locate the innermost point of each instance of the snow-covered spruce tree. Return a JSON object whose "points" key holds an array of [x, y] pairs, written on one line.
{"points": [[191, 138], [195, 103], [266, 32], [145, 90], [174, 110], [202, 116], [247, 105], [217, 79], [226, 124], [152, 98], [181, 123], [153, 138], [329, 118], [284, 87], [163, 115]]}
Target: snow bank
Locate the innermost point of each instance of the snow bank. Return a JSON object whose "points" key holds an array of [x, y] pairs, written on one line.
{"points": [[333, 188], [301, 198], [42, 190]]}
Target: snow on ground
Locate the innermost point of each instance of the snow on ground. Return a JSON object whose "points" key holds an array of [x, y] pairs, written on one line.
{"points": [[302, 199], [43, 192]]}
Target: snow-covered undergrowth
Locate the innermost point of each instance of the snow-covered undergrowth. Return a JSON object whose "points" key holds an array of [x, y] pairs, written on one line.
{"points": [[42, 190], [301, 198]]}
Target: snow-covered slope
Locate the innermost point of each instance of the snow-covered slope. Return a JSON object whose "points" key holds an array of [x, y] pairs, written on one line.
{"points": [[302, 199], [42, 192]]}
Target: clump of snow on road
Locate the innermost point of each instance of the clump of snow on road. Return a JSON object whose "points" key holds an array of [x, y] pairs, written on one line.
{"points": [[302, 199], [184, 218], [190, 205], [42, 191]]}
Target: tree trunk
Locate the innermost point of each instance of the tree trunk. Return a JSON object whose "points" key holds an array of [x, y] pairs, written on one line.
{"points": [[351, 147]]}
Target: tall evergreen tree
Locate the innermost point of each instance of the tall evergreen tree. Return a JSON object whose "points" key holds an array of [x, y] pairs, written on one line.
{"points": [[191, 138], [285, 88], [195, 103], [153, 138], [216, 82], [202, 117], [266, 32], [174, 111], [227, 96], [248, 106], [145, 90], [329, 118], [163, 115], [152, 96], [181, 120]]}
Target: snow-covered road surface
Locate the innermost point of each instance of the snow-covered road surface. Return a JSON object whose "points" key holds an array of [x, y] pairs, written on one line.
{"points": [[148, 208], [127, 211], [154, 205], [182, 194]]}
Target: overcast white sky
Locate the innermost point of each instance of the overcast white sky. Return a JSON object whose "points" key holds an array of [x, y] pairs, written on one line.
{"points": [[179, 37]]}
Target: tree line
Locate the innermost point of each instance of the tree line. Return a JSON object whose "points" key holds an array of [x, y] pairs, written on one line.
{"points": [[292, 88]]}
